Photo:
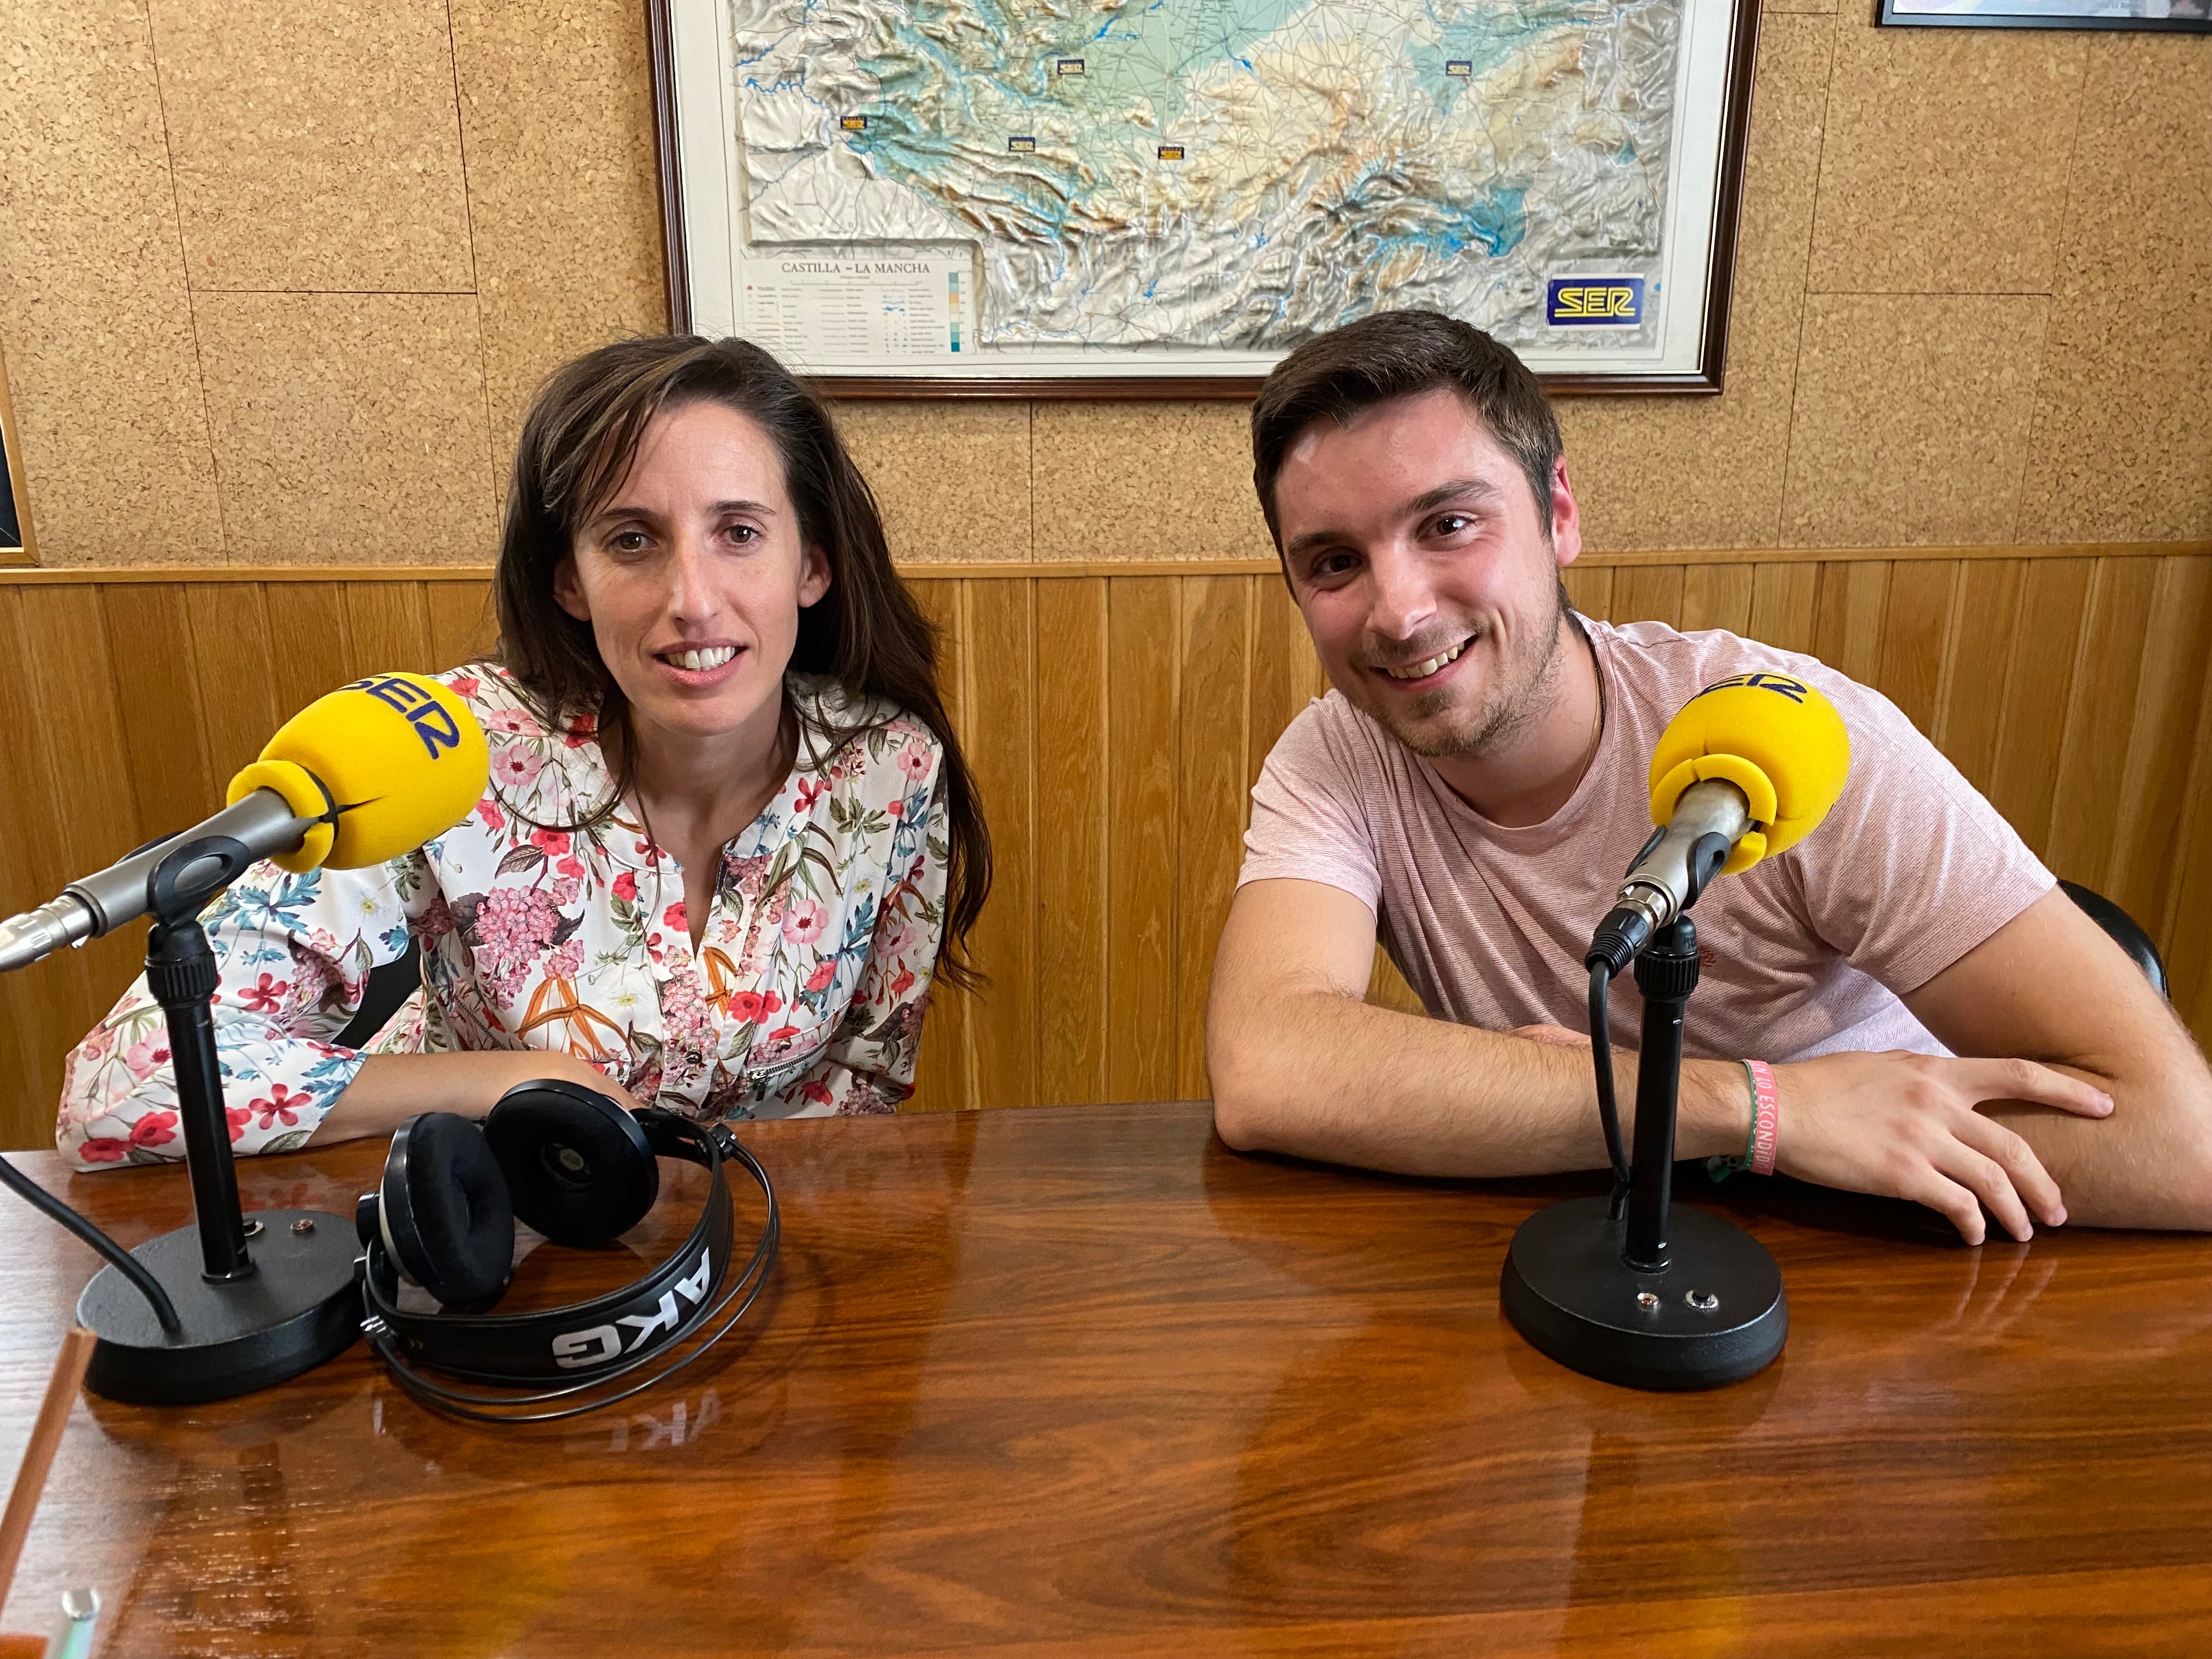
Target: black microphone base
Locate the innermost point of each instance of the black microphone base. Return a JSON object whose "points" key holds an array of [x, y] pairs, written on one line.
{"points": [[1567, 1289], [299, 1307]]}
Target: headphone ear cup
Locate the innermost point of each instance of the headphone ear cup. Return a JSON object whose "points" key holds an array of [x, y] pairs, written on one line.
{"points": [[445, 1208], [578, 1166]]}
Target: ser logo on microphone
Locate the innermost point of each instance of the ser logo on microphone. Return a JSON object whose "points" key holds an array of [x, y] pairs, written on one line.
{"points": [[431, 722], [1780, 684]]}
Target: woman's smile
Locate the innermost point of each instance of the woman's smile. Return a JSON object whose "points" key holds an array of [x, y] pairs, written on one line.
{"points": [[703, 666]]}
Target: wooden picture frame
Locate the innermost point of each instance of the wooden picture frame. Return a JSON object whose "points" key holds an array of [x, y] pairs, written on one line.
{"points": [[23, 547], [701, 211], [2023, 15]]}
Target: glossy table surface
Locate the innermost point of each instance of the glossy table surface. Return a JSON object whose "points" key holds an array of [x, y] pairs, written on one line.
{"points": [[1079, 1381]]}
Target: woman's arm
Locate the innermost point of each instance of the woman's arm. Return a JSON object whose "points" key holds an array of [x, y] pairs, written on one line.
{"points": [[293, 954], [389, 1089]]}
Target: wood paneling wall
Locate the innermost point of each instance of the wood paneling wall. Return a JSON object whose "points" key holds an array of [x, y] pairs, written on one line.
{"points": [[1116, 722]]}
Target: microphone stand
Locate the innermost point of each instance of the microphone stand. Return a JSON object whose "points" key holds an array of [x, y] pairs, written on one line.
{"points": [[1655, 1298], [251, 1300]]}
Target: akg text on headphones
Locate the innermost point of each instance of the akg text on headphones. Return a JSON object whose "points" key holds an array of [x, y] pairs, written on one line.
{"points": [[570, 1162]]}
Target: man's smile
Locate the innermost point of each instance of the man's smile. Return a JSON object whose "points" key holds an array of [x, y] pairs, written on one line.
{"points": [[1421, 671]]}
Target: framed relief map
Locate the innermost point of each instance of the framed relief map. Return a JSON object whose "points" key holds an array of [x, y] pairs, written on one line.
{"points": [[1162, 198], [15, 544], [2190, 14]]}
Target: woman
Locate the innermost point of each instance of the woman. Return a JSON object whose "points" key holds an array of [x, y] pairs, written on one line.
{"points": [[728, 824]]}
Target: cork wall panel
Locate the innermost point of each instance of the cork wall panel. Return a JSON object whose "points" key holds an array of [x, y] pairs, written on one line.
{"points": [[1945, 166], [1708, 471], [315, 156], [350, 426], [952, 479], [2124, 412], [1168, 481], [95, 319], [2001, 233], [1912, 418], [557, 116]]}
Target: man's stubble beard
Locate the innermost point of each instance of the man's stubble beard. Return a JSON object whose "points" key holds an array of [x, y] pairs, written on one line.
{"points": [[1517, 699]]}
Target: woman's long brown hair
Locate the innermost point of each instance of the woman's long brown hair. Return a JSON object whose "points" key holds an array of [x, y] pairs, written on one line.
{"points": [[866, 633]]}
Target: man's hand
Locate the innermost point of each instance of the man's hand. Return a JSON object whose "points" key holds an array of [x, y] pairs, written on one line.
{"points": [[1906, 1126], [2049, 985]]}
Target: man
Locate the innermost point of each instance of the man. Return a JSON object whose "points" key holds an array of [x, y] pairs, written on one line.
{"points": [[1474, 788]]}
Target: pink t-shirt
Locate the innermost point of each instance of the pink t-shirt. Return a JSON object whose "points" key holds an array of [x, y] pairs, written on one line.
{"points": [[1806, 953]]}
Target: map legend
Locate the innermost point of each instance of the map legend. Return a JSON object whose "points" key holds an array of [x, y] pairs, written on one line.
{"points": [[816, 311]]}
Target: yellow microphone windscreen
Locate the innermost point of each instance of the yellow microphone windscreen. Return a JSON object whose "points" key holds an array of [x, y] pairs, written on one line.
{"points": [[400, 756], [1772, 736]]}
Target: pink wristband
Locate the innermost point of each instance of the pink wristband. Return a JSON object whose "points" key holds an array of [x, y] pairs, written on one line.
{"points": [[1766, 1101]]}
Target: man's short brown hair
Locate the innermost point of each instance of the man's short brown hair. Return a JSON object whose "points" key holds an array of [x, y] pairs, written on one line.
{"points": [[1401, 354]]}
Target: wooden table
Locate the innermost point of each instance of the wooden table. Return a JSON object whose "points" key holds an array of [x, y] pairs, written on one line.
{"points": [[1079, 1381]]}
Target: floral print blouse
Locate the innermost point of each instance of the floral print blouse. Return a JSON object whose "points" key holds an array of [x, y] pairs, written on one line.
{"points": [[805, 997]]}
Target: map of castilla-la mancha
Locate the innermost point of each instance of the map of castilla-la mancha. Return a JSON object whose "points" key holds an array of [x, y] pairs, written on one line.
{"points": [[1235, 173]]}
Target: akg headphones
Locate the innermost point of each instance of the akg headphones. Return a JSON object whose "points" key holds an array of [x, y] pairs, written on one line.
{"points": [[581, 1169]]}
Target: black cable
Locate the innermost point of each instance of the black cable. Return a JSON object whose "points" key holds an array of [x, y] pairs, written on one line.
{"points": [[460, 1403], [1601, 1054], [120, 1258]]}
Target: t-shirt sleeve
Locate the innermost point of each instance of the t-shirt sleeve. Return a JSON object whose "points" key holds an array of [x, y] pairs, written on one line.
{"points": [[1913, 867], [1308, 824]]}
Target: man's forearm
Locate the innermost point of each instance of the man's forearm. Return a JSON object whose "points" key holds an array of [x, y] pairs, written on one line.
{"points": [[2142, 1166], [1322, 1076], [2049, 987]]}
